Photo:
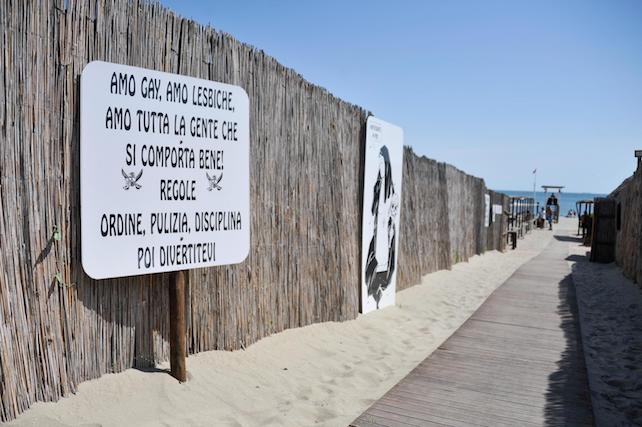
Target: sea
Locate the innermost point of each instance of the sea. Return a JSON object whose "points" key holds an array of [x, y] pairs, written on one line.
{"points": [[565, 200]]}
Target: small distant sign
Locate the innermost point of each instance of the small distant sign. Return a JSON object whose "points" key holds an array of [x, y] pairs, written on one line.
{"points": [[487, 210], [498, 209], [164, 171]]}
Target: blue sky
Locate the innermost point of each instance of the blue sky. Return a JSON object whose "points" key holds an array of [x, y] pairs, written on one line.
{"points": [[496, 88]]}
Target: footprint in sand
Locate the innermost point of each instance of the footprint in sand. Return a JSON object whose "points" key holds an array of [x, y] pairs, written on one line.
{"points": [[325, 353], [408, 343], [348, 373], [329, 380], [368, 378], [367, 402], [284, 407], [304, 392], [323, 415], [230, 422]]}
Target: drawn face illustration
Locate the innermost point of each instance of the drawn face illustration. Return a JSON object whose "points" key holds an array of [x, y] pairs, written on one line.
{"points": [[381, 217]]}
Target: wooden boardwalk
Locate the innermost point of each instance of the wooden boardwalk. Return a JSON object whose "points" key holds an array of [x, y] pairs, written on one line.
{"points": [[516, 362]]}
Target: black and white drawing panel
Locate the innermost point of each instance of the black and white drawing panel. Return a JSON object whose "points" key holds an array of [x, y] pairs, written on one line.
{"points": [[381, 213]]}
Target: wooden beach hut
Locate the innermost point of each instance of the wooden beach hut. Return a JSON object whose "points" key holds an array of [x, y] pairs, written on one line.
{"points": [[603, 230], [584, 210], [520, 216]]}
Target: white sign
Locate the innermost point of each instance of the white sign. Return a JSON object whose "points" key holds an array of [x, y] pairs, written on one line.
{"points": [[498, 209], [487, 219], [164, 171], [381, 204]]}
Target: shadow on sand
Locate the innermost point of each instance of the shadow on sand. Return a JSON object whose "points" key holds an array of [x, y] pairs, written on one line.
{"points": [[568, 401], [153, 370], [571, 239]]}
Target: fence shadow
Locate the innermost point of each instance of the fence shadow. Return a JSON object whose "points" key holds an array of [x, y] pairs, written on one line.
{"points": [[568, 400], [576, 258], [130, 312], [571, 239]]}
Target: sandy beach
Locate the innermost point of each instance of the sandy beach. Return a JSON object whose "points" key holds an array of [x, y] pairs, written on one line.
{"points": [[610, 308], [325, 374]]}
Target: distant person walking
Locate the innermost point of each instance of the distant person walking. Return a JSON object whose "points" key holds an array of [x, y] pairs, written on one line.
{"points": [[541, 218], [549, 217]]}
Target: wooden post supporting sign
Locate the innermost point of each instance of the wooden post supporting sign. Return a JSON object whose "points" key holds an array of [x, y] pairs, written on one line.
{"points": [[177, 342]]}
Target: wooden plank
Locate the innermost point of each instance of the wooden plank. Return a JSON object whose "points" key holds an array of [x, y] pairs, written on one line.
{"points": [[459, 411], [458, 395], [400, 417]]}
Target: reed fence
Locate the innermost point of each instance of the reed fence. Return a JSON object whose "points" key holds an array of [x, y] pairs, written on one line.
{"points": [[628, 233], [58, 327]]}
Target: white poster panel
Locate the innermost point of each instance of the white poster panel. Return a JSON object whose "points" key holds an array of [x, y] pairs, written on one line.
{"points": [[381, 213], [487, 210], [497, 209], [164, 171]]}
